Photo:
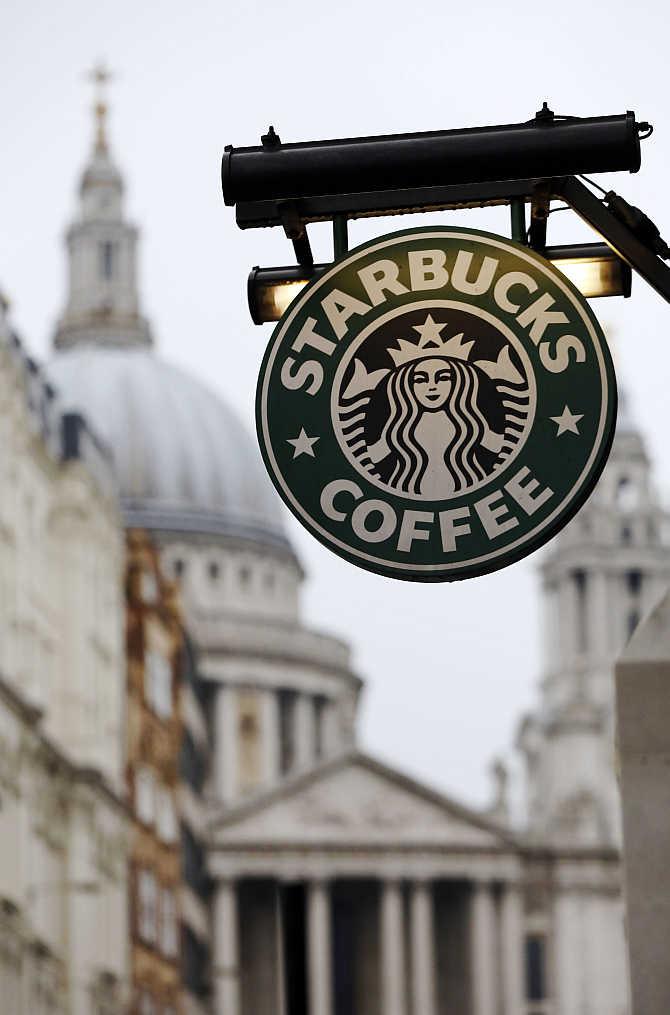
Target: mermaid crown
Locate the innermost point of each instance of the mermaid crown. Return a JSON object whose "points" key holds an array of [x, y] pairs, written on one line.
{"points": [[430, 344]]}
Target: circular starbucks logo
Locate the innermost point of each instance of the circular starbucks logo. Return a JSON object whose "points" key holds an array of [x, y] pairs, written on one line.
{"points": [[433, 413], [437, 405]]}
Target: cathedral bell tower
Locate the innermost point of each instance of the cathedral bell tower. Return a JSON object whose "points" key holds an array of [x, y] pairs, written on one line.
{"points": [[600, 576], [102, 305]]}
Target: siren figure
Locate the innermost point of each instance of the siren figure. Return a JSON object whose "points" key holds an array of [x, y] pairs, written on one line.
{"points": [[438, 415], [435, 429]]}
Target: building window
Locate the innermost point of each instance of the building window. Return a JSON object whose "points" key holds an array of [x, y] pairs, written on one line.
{"points": [[214, 570], [582, 617], [105, 995], [627, 494], [178, 567], [158, 683], [249, 756], [147, 900], [286, 730], [168, 930], [319, 716], [166, 816], [192, 763], [107, 259], [193, 861], [626, 535], [536, 971], [245, 577], [634, 582], [145, 795], [195, 962]]}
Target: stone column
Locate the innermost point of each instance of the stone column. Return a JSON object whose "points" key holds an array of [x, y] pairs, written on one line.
{"points": [[226, 950], [269, 712], [305, 730], [331, 729], [568, 956], [512, 949], [319, 957], [226, 744], [600, 616], [567, 627], [423, 949], [483, 950], [393, 987]]}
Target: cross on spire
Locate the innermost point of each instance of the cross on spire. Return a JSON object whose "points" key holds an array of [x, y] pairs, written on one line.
{"points": [[100, 75]]}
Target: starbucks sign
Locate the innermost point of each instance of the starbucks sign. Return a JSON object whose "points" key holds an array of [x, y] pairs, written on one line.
{"points": [[436, 405]]}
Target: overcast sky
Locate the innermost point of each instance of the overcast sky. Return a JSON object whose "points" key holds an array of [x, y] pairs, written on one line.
{"points": [[449, 668]]}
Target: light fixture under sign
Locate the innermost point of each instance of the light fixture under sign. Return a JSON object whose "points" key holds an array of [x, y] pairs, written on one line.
{"points": [[593, 268], [271, 290]]}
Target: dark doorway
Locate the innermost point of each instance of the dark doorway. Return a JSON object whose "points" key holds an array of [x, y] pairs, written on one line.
{"points": [[355, 947], [292, 901]]}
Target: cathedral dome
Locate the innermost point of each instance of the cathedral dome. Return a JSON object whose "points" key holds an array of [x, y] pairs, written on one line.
{"points": [[184, 462]]}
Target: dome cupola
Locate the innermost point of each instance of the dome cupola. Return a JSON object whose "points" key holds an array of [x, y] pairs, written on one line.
{"points": [[184, 463], [103, 305]]}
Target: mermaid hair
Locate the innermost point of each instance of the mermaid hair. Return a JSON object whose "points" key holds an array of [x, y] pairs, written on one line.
{"points": [[462, 406]]}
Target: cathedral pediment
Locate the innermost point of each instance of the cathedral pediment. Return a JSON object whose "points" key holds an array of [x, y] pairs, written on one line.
{"points": [[355, 799]]}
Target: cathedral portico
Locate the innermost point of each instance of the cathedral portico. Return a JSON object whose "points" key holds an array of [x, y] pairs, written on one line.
{"points": [[391, 893], [369, 945]]}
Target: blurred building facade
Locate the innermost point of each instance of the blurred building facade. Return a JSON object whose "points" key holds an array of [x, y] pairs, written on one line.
{"points": [[278, 698], [166, 760], [63, 820], [602, 574], [316, 878]]}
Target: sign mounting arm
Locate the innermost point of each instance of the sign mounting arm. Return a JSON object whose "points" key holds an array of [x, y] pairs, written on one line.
{"points": [[619, 236]]}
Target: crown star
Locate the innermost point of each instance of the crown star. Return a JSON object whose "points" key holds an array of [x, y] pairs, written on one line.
{"points": [[430, 344], [430, 332]]}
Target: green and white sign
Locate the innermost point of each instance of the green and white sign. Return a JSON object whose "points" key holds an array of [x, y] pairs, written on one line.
{"points": [[437, 405]]}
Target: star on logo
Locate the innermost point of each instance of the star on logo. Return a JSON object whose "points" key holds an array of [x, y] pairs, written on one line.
{"points": [[302, 444], [430, 331], [567, 421]]}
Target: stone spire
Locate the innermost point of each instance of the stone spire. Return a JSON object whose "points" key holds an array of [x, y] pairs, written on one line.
{"points": [[102, 307], [600, 576]]}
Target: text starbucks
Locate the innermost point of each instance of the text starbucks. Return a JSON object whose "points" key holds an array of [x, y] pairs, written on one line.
{"points": [[515, 293]]}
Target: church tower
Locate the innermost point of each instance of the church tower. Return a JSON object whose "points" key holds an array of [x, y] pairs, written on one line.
{"points": [[102, 305], [601, 575]]}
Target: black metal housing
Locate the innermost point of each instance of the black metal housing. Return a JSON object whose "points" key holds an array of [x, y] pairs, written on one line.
{"points": [[542, 147], [264, 280]]}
